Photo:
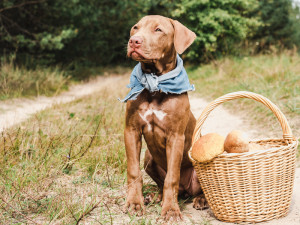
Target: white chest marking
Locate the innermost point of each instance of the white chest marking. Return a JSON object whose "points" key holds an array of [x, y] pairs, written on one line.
{"points": [[158, 113]]}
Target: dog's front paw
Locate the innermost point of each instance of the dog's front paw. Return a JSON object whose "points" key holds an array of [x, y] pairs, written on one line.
{"points": [[200, 202], [134, 205], [170, 211]]}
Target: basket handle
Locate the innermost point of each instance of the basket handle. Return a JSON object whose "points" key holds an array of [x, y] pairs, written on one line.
{"points": [[287, 132]]}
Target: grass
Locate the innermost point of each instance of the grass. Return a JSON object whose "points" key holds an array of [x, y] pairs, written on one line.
{"points": [[67, 144], [18, 81], [276, 77]]}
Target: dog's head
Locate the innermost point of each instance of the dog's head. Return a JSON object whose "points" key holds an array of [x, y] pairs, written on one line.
{"points": [[155, 38]]}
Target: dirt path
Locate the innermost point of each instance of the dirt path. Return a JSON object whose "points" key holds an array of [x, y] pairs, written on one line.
{"points": [[17, 110], [220, 120]]}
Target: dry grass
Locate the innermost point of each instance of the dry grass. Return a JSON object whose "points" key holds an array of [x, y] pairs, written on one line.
{"points": [[72, 142], [276, 77], [18, 81]]}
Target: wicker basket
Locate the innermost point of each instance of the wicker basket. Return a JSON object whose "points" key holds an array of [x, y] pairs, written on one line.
{"points": [[253, 186]]}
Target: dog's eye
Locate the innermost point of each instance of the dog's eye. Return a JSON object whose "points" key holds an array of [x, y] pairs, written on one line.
{"points": [[135, 27], [158, 30]]}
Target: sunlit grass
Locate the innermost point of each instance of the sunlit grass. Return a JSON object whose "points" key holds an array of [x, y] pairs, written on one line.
{"points": [[81, 141], [18, 81], [276, 77]]}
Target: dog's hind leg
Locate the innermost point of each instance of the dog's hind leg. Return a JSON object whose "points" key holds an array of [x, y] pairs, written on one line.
{"points": [[194, 189], [157, 174]]}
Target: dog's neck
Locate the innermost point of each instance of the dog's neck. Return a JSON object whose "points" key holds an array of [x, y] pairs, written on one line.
{"points": [[161, 66]]}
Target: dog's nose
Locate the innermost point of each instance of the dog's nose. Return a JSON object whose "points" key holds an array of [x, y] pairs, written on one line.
{"points": [[135, 41]]}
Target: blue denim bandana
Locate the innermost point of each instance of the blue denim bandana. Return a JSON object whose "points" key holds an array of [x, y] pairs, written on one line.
{"points": [[173, 82]]}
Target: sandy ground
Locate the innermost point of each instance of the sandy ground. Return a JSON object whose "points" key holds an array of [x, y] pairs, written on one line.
{"points": [[220, 120]]}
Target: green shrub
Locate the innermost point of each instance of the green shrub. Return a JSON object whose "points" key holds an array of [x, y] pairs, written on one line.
{"points": [[218, 24]]}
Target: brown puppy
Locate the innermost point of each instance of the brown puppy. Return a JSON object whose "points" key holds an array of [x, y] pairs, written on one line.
{"points": [[165, 120]]}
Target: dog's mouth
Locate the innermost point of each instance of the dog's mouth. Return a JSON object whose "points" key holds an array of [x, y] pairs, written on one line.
{"points": [[137, 54]]}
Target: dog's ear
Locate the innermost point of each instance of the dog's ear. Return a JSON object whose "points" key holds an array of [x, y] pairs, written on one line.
{"points": [[183, 37]]}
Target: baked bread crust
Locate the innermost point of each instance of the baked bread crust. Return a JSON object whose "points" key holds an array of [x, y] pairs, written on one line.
{"points": [[208, 147], [235, 142]]}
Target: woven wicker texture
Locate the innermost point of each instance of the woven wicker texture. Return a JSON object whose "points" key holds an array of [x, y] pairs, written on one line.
{"points": [[253, 186]]}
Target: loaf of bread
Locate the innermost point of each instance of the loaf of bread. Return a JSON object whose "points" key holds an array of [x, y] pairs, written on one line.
{"points": [[236, 142], [208, 147]]}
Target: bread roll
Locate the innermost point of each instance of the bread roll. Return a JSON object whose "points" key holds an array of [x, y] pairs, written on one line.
{"points": [[208, 147], [236, 142]]}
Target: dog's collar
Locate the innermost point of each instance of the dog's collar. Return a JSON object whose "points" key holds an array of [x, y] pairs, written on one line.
{"points": [[173, 82]]}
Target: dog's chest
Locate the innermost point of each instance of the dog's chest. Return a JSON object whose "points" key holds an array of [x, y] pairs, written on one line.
{"points": [[152, 117], [157, 114]]}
